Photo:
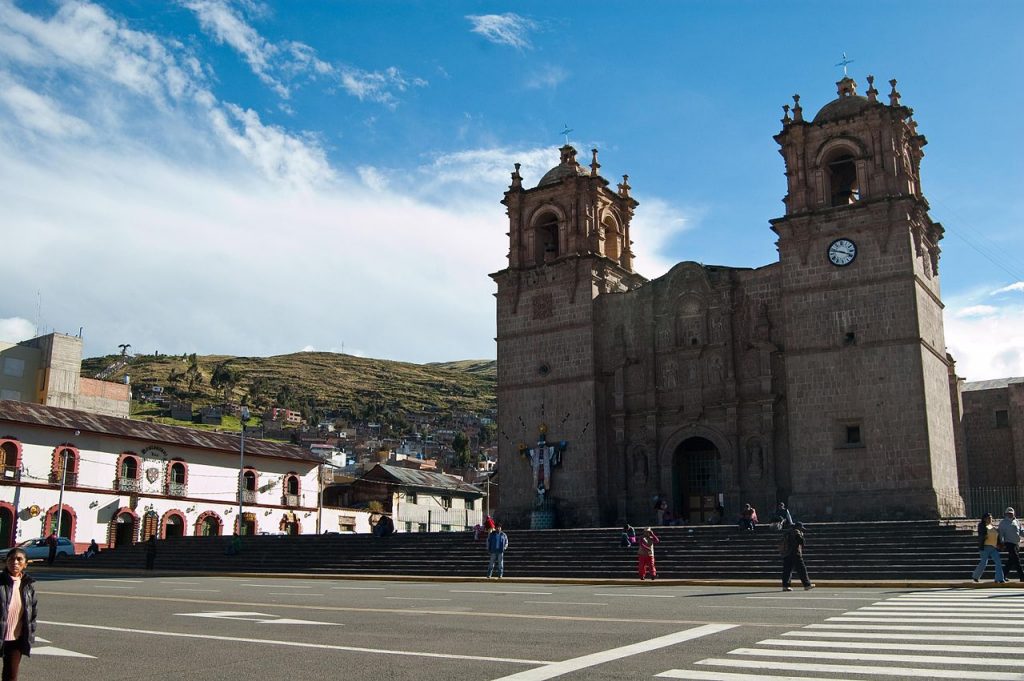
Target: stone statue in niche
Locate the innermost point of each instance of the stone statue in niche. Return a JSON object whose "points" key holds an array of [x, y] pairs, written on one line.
{"points": [[715, 370], [664, 335], [755, 459], [691, 373], [668, 375], [717, 329], [640, 465]]}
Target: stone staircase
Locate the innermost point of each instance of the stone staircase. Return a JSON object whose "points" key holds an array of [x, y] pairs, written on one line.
{"points": [[903, 550]]}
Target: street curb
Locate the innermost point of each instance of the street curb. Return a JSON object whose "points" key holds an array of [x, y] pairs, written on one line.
{"points": [[837, 583]]}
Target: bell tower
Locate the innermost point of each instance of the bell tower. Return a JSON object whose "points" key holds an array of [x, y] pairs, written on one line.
{"points": [[865, 355], [568, 243]]}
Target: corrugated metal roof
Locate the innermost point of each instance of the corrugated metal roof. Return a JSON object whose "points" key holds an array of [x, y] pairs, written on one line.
{"points": [[993, 384], [71, 419], [419, 478]]}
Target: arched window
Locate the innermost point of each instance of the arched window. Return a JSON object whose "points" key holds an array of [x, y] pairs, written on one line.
{"points": [[291, 489], [843, 184], [208, 524], [612, 238], [546, 238], [250, 480], [65, 466], [10, 459], [129, 470], [67, 520], [177, 478]]}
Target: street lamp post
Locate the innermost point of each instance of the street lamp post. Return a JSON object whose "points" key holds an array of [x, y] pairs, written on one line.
{"points": [[241, 471]]}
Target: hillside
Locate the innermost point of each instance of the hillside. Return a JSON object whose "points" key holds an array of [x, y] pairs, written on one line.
{"points": [[317, 383]]}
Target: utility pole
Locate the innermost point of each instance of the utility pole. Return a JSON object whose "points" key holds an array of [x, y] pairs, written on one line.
{"points": [[241, 471]]}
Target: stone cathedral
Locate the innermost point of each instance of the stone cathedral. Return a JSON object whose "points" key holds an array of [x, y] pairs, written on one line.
{"points": [[821, 380]]}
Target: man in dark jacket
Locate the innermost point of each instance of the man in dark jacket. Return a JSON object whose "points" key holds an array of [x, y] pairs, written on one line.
{"points": [[497, 543], [793, 557]]}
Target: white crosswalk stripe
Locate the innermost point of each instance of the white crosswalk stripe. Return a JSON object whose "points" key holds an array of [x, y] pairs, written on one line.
{"points": [[951, 634]]}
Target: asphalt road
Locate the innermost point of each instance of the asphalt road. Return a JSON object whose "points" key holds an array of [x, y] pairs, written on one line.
{"points": [[166, 628]]}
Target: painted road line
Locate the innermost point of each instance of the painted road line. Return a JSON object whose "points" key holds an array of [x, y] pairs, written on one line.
{"points": [[555, 669], [290, 593], [489, 591], [697, 675], [812, 598], [911, 620], [864, 669], [882, 657], [908, 637], [891, 645], [211, 591], [359, 588], [895, 627], [414, 598], [109, 586], [1018, 606], [636, 595], [295, 644], [564, 603], [936, 613], [277, 586], [774, 607], [183, 583], [101, 579]]}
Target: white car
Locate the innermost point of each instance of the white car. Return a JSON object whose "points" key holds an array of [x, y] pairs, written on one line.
{"points": [[37, 548]]}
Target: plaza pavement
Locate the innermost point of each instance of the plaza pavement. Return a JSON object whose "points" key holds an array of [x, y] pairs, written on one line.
{"points": [[171, 626]]}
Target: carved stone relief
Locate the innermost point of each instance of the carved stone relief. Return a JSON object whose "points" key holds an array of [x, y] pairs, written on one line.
{"points": [[543, 306]]}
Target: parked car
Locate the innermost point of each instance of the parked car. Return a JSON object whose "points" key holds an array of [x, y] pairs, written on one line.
{"points": [[37, 548]]}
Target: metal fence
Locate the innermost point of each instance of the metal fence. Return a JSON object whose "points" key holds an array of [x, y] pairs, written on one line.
{"points": [[994, 500], [412, 518]]}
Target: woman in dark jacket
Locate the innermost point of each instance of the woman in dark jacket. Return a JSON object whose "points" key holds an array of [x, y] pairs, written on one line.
{"points": [[17, 613]]}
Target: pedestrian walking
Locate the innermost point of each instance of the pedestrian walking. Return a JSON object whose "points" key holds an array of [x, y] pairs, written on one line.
{"points": [[792, 549], [51, 542], [988, 547], [645, 554], [1009, 537], [150, 551], [497, 544], [17, 613]]}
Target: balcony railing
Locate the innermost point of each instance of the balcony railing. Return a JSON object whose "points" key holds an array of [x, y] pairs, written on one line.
{"points": [[70, 478], [129, 485], [249, 496], [290, 500], [10, 473], [177, 489]]}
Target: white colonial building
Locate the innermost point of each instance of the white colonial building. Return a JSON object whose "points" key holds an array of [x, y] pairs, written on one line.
{"points": [[118, 481]]}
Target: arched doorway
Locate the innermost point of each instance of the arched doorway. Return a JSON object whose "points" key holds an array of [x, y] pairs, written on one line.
{"points": [[6, 525], [696, 479], [124, 529], [208, 525], [174, 525]]}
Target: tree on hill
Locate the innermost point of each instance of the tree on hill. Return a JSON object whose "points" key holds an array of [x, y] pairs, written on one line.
{"points": [[225, 378], [460, 446]]}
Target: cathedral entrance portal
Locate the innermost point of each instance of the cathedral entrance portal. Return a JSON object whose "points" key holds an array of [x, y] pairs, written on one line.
{"points": [[696, 480]]}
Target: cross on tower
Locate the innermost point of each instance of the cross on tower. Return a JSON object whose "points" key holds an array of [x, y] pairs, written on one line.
{"points": [[844, 64], [565, 131]]}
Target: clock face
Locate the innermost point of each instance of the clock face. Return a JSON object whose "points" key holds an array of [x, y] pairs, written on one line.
{"points": [[842, 252]]}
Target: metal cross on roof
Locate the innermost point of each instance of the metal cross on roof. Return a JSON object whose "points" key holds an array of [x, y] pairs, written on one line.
{"points": [[566, 130], [844, 63]]}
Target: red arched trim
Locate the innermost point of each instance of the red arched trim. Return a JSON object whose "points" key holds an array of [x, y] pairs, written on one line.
{"points": [[50, 524], [138, 464], [255, 524], [55, 463], [198, 530], [8, 540], [112, 525], [170, 478], [10, 468], [167, 516], [288, 477], [255, 478]]}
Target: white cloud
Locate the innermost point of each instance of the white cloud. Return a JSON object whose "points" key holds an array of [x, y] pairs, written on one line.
{"points": [[987, 347], [227, 26], [976, 311], [39, 112], [548, 77], [503, 29], [15, 329], [1016, 286], [654, 226], [377, 86]]}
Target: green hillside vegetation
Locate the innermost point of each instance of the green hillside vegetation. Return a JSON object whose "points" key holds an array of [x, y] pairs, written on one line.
{"points": [[315, 383]]}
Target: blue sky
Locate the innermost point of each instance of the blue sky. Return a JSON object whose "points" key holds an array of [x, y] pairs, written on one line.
{"points": [[256, 178]]}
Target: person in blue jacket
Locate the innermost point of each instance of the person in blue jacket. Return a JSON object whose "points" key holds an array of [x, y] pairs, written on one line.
{"points": [[497, 543]]}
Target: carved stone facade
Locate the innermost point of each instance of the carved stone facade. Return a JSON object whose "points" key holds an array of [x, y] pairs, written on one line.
{"points": [[821, 379]]}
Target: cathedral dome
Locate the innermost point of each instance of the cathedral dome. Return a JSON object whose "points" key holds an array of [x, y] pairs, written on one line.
{"points": [[844, 107], [848, 104], [569, 167]]}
